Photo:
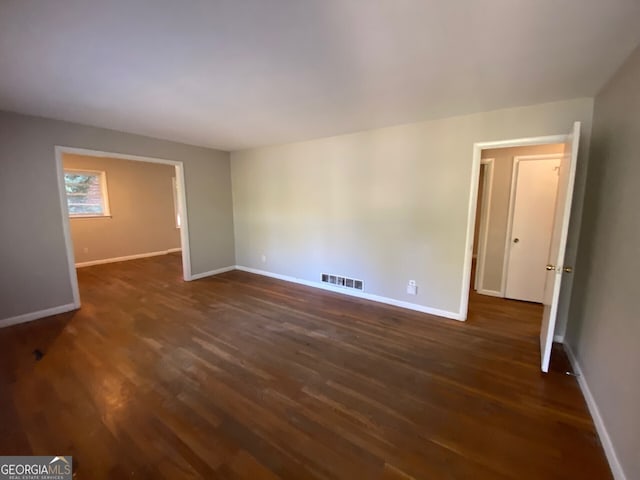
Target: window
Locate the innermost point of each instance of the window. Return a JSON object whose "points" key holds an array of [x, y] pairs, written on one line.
{"points": [[86, 193]]}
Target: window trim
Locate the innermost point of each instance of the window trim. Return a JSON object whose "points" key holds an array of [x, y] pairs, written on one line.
{"points": [[106, 209]]}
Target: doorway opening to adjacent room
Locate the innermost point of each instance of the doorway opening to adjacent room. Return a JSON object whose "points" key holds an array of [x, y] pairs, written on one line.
{"points": [[85, 197], [519, 210], [514, 220]]}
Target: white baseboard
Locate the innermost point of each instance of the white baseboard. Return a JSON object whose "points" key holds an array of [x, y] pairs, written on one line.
{"points": [[355, 293], [491, 293], [29, 317], [614, 463], [210, 273], [127, 257]]}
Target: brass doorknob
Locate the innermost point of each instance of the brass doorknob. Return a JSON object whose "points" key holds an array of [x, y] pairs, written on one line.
{"points": [[550, 267], [567, 269]]}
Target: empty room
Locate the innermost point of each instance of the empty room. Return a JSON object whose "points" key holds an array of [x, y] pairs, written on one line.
{"points": [[333, 239]]}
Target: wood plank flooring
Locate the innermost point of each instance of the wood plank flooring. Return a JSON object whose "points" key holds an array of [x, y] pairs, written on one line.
{"points": [[244, 377]]}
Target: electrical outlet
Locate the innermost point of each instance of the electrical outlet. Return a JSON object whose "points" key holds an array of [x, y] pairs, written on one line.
{"points": [[412, 287], [264, 258]]}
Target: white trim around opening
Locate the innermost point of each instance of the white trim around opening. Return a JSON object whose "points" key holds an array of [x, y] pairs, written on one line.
{"points": [[60, 151], [473, 198]]}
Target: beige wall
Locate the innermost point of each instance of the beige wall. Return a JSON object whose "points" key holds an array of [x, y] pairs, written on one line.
{"points": [[385, 206], [142, 211], [604, 325], [501, 191], [35, 274]]}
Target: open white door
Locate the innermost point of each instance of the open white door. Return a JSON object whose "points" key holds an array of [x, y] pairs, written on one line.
{"points": [[555, 266]]}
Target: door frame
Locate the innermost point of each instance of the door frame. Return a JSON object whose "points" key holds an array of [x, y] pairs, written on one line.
{"points": [[66, 223], [473, 202], [485, 218], [512, 200]]}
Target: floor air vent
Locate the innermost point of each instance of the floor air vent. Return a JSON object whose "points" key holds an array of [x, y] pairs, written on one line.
{"points": [[340, 281]]}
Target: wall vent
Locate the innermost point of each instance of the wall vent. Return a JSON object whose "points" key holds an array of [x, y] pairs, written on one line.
{"points": [[340, 281]]}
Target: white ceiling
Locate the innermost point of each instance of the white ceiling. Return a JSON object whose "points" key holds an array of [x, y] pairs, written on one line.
{"points": [[241, 73]]}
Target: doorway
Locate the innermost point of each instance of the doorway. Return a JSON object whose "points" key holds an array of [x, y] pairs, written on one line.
{"points": [[483, 220], [554, 268], [508, 178], [95, 202]]}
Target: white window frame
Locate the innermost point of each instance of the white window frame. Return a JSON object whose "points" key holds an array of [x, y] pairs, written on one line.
{"points": [[104, 193]]}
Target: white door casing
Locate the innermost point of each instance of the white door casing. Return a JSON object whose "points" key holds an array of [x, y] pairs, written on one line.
{"points": [[478, 147]]}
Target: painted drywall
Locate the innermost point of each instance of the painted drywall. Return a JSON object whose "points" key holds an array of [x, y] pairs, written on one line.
{"points": [[34, 274], [500, 194], [142, 210], [386, 206], [604, 331]]}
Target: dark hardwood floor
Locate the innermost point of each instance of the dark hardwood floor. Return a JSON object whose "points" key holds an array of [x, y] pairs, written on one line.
{"points": [[241, 376]]}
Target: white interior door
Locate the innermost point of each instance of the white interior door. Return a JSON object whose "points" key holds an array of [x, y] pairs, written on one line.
{"points": [[555, 266], [535, 184]]}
